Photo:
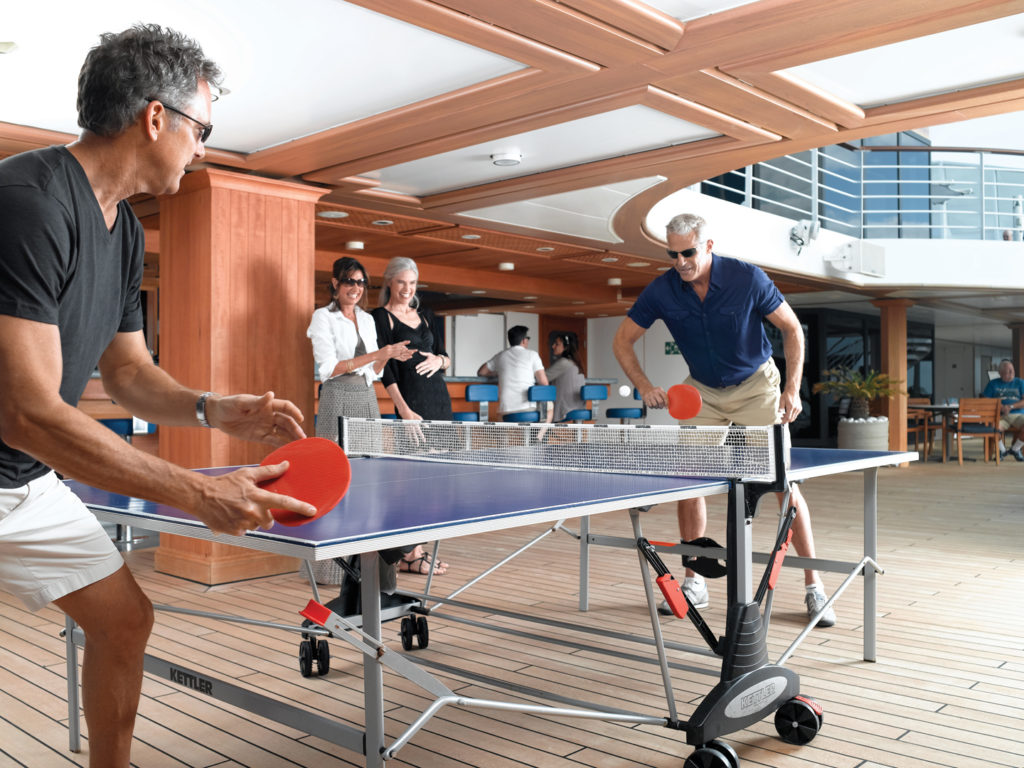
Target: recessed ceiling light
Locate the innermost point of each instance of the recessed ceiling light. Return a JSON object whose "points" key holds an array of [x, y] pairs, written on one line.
{"points": [[479, 292], [545, 249], [529, 298], [664, 269], [507, 158], [639, 264], [579, 302], [614, 281], [471, 237], [382, 222], [528, 306], [610, 259], [506, 266], [355, 245], [333, 214]]}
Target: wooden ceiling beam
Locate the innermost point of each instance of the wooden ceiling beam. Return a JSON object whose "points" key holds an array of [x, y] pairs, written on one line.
{"points": [[562, 27], [795, 91], [497, 284], [636, 18]]}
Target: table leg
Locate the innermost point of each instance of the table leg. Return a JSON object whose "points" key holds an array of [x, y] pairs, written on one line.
{"points": [[870, 550], [584, 563], [373, 675]]}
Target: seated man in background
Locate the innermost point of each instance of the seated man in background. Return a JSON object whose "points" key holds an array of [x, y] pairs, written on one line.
{"points": [[517, 368], [1010, 390]]}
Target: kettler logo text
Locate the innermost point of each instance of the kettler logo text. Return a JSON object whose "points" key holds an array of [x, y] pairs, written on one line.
{"points": [[187, 679], [756, 698]]}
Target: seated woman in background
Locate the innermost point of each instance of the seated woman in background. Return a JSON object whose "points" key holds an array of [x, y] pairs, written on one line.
{"points": [[416, 385], [566, 373]]}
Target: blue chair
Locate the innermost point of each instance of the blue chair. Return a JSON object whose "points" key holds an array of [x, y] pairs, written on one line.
{"points": [[540, 394], [478, 393], [594, 393], [389, 415], [626, 413]]}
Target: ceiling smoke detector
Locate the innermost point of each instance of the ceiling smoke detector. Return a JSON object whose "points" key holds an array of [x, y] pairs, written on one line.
{"points": [[507, 158]]}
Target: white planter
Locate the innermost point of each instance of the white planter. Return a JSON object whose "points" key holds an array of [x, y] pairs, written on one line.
{"points": [[864, 434]]}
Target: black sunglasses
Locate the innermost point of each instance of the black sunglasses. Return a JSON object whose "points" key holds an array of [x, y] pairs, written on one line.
{"points": [[688, 253], [361, 282], [207, 127]]}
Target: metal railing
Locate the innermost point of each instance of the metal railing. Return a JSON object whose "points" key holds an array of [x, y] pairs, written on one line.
{"points": [[888, 192]]}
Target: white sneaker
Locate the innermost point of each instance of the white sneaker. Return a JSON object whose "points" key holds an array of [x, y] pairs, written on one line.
{"points": [[815, 600], [694, 588]]}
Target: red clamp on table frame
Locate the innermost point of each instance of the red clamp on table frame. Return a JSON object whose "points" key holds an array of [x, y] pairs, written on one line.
{"points": [[674, 595], [666, 582]]}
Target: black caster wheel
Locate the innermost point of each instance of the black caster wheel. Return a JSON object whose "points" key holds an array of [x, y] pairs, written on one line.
{"points": [[799, 720], [707, 757], [323, 657], [725, 749], [406, 632], [422, 632], [306, 658]]}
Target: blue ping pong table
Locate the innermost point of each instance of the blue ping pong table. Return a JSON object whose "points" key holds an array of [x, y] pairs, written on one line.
{"points": [[394, 502]]}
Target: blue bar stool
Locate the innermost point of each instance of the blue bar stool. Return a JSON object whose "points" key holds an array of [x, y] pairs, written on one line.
{"points": [[478, 393], [625, 414], [594, 393], [540, 394]]}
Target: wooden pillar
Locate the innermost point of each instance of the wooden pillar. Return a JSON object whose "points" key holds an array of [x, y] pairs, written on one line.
{"points": [[1017, 347], [894, 364], [236, 295]]}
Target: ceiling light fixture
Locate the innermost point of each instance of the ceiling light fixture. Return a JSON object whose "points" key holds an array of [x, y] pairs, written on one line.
{"points": [[478, 292], [610, 259], [507, 158], [638, 264], [545, 249], [506, 266], [471, 237], [382, 222], [354, 245], [333, 214], [614, 281], [529, 298]]}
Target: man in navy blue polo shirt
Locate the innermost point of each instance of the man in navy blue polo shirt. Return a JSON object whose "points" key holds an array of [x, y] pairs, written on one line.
{"points": [[714, 307]]}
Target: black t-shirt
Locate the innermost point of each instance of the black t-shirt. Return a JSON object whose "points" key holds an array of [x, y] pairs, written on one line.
{"points": [[60, 265]]}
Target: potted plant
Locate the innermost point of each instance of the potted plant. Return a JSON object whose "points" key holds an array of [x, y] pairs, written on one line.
{"points": [[859, 430]]}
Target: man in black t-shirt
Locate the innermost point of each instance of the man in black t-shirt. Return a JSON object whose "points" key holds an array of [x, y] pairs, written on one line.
{"points": [[70, 271]]}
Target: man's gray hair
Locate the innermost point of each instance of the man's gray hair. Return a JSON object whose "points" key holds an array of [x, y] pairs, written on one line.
{"points": [[128, 69], [685, 223], [395, 267]]}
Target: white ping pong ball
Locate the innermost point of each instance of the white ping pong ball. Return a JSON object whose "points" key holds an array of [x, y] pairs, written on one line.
{"points": [[624, 391]]}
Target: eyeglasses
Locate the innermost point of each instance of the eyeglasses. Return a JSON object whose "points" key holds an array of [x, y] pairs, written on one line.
{"points": [[688, 253], [361, 282], [207, 127]]}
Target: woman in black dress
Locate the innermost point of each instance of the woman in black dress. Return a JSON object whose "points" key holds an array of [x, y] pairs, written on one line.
{"points": [[416, 386]]}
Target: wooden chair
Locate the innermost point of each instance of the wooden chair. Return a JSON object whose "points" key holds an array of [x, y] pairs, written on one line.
{"points": [[922, 425], [978, 417]]}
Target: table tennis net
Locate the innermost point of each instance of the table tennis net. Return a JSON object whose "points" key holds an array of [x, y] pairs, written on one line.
{"points": [[689, 451]]}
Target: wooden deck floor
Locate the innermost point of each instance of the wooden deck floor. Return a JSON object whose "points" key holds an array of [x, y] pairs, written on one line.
{"points": [[947, 689]]}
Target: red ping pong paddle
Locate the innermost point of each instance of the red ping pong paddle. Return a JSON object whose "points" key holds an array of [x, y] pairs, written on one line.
{"points": [[318, 473], [684, 401]]}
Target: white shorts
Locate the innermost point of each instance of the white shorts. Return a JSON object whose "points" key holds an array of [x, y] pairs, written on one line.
{"points": [[50, 544]]}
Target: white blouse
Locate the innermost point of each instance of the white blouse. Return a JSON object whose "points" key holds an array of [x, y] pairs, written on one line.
{"points": [[334, 338]]}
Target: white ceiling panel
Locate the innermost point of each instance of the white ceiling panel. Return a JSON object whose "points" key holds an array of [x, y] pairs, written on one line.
{"points": [[583, 213], [618, 132], [327, 62], [687, 10], [933, 64]]}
